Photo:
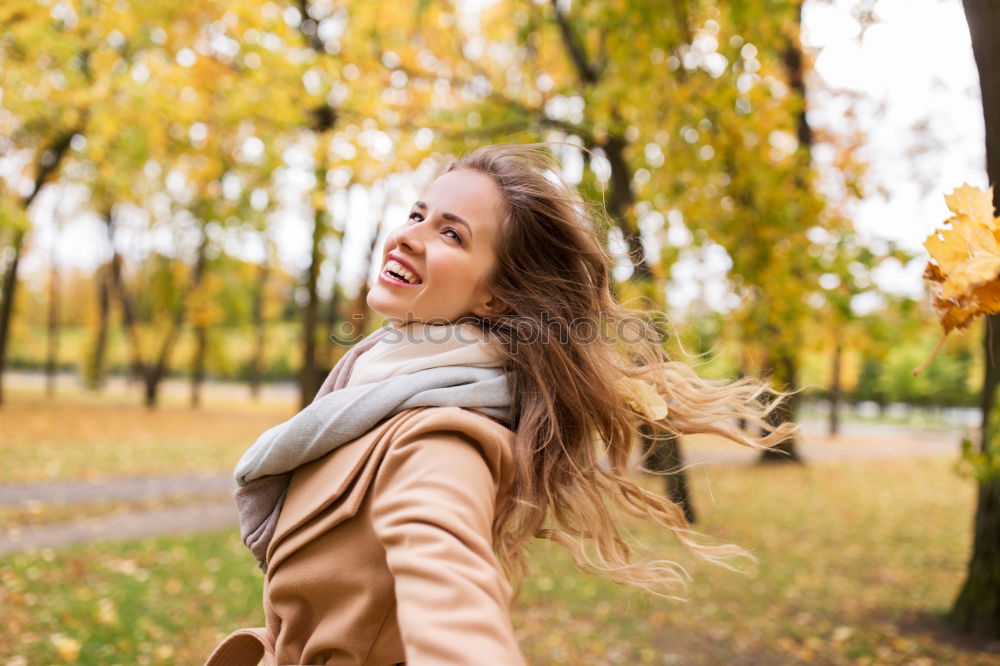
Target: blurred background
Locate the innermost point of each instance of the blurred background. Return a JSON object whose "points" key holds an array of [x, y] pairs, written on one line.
{"points": [[193, 198]]}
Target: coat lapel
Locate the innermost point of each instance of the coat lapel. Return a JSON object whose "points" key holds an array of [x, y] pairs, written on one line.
{"points": [[331, 487]]}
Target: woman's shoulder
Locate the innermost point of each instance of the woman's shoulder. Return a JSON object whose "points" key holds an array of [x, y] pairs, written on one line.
{"points": [[339, 471], [493, 440], [454, 419], [407, 444]]}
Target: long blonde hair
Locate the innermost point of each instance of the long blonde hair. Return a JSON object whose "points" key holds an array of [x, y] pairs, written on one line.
{"points": [[578, 362]]}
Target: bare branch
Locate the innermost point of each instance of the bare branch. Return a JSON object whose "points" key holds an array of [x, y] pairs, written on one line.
{"points": [[587, 73]]}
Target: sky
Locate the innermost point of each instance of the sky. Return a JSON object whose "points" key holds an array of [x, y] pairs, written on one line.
{"points": [[921, 111], [919, 62]]}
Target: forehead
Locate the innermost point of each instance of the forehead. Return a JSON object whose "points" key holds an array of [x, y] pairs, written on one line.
{"points": [[471, 195]]}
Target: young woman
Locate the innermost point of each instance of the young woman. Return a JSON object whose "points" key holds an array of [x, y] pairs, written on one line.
{"points": [[500, 404]]}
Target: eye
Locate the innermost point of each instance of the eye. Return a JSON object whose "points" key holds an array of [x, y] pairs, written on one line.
{"points": [[415, 216]]}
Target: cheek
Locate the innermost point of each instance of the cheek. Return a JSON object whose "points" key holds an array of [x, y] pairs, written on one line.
{"points": [[456, 273], [448, 276]]}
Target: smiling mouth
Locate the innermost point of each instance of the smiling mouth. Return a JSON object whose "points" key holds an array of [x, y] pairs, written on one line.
{"points": [[396, 274], [400, 273], [395, 277]]}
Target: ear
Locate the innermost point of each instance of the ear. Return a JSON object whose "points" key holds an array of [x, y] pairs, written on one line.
{"points": [[491, 307]]}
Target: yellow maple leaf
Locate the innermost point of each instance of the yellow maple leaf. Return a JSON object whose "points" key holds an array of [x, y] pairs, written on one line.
{"points": [[967, 254], [965, 276], [957, 314], [977, 251], [972, 202]]}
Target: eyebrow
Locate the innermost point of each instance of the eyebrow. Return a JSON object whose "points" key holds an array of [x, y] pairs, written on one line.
{"points": [[447, 216]]}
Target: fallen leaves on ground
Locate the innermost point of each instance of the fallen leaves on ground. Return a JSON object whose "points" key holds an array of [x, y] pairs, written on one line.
{"points": [[89, 439]]}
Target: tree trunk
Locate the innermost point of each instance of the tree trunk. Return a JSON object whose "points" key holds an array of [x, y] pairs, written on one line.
{"points": [[795, 66], [339, 339], [94, 373], [155, 372], [621, 199], [744, 371], [49, 160], [260, 330], [590, 71], [666, 460], [332, 317], [977, 607], [835, 390], [151, 387], [52, 330], [198, 365], [784, 362], [116, 281], [324, 118], [785, 368], [330, 324], [139, 368], [7, 302], [309, 377], [621, 202], [152, 372]]}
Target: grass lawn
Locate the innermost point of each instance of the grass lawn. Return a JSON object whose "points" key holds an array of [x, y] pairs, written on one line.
{"points": [[857, 560], [80, 436]]}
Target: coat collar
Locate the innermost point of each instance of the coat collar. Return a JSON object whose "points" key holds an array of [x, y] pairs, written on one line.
{"points": [[329, 490]]}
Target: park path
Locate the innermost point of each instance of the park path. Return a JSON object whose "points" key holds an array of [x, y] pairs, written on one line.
{"points": [[67, 491], [177, 520], [205, 503], [208, 504]]}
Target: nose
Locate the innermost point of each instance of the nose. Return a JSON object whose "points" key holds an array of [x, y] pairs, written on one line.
{"points": [[410, 237]]}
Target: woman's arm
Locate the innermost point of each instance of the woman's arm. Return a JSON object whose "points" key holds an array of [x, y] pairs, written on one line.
{"points": [[432, 507]]}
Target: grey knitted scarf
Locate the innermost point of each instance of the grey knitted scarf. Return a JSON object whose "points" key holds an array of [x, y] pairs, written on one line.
{"points": [[342, 413]]}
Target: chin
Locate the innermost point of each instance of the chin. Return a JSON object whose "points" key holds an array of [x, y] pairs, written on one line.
{"points": [[378, 302]]}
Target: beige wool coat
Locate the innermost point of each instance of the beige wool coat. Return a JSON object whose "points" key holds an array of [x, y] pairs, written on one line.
{"points": [[383, 554]]}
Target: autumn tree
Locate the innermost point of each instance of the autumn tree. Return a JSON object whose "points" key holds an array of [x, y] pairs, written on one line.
{"points": [[977, 607], [49, 59], [176, 158]]}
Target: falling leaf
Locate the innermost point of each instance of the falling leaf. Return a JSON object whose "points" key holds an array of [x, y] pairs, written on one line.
{"points": [[972, 202], [643, 397], [968, 253], [964, 274]]}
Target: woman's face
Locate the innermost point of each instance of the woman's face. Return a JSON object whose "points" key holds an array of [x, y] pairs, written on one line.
{"points": [[434, 267]]}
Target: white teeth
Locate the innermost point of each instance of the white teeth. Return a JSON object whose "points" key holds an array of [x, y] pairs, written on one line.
{"points": [[400, 269]]}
